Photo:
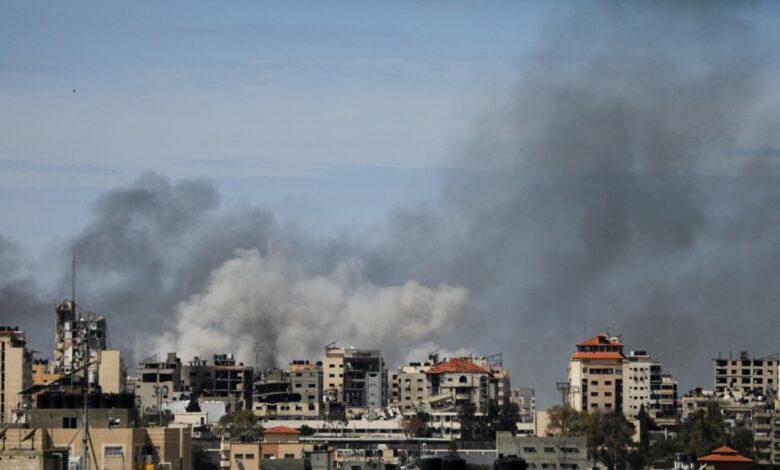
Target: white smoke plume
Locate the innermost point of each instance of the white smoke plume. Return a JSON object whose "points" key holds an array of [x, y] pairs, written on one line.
{"points": [[271, 300]]}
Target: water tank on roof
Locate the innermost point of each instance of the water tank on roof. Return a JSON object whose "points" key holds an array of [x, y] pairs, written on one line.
{"points": [[430, 462], [43, 401], [511, 462], [453, 462]]}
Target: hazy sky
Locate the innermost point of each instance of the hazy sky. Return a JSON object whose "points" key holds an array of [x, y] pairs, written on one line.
{"points": [[501, 176], [335, 110]]}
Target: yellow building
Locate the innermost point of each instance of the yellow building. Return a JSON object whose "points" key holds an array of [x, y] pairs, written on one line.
{"points": [[43, 373], [596, 375], [112, 375], [15, 372], [110, 448]]}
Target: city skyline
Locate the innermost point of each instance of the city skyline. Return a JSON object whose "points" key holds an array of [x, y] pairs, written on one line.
{"points": [[503, 178]]}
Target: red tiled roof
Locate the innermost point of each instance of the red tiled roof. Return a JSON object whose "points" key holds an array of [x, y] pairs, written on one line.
{"points": [[457, 365], [281, 430], [599, 340], [597, 355], [724, 454]]}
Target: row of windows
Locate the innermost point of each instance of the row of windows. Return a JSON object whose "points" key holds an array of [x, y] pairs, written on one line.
{"points": [[551, 450], [596, 382]]}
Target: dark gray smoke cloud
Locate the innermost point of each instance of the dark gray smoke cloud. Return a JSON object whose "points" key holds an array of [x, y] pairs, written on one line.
{"points": [[626, 180], [21, 303], [612, 188]]}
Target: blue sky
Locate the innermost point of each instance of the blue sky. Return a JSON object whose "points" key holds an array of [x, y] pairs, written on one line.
{"points": [[336, 112]]}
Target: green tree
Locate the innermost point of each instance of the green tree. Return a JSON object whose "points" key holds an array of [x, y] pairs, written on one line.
{"points": [[702, 431], [565, 421], [508, 417], [741, 440], [610, 439], [200, 459], [644, 432], [307, 430], [193, 405], [467, 416], [416, 425], [242, 423]]}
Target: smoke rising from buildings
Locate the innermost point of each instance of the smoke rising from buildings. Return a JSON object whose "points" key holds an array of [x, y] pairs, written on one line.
{"points": [[625, 180], [269, 299]]}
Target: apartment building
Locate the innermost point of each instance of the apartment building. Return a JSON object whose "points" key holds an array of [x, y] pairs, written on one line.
{"points": [[158, 381], [295, 393], [15, 373], [112, 373], [306, 381], [355, 377], [224, 380], [525, 399], [43, 373], [117, 448], [409, 386], [766, 438], [746, 375], [70, 330], [545, 452], [595, 375], [458, 381]]}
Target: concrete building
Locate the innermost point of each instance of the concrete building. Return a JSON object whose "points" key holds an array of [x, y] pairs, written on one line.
{"points": [[409, 386], [68, 324], [766, 438], [292, 394], [43, 373], [306, 381], [641, 377], [224, 380], [355, 377], [117, 448], [239, 455], [458, 381], [15, 373], [112, 374], [158, 381], [595, 375], [746, 375], [54, 408], [545, 452], [525, 399], [280, 449]]}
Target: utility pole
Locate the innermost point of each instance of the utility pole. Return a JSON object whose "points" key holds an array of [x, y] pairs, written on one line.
{"points": [[84, 324], [564, 388]]}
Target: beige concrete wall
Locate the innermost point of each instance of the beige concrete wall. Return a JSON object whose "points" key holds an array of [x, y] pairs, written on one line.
{"points": [[333, 372], [172, 445], [111, 373], [239, 456], [17, 364]]}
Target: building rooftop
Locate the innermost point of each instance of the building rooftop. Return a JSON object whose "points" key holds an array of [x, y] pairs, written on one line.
{"points": [[724, 454], [597, 355], [457, 365], [601, 339], [281, 430]]}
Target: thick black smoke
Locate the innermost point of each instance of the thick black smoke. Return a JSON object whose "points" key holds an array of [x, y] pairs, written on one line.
{"points": [[625, 181], [621, 185]]}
